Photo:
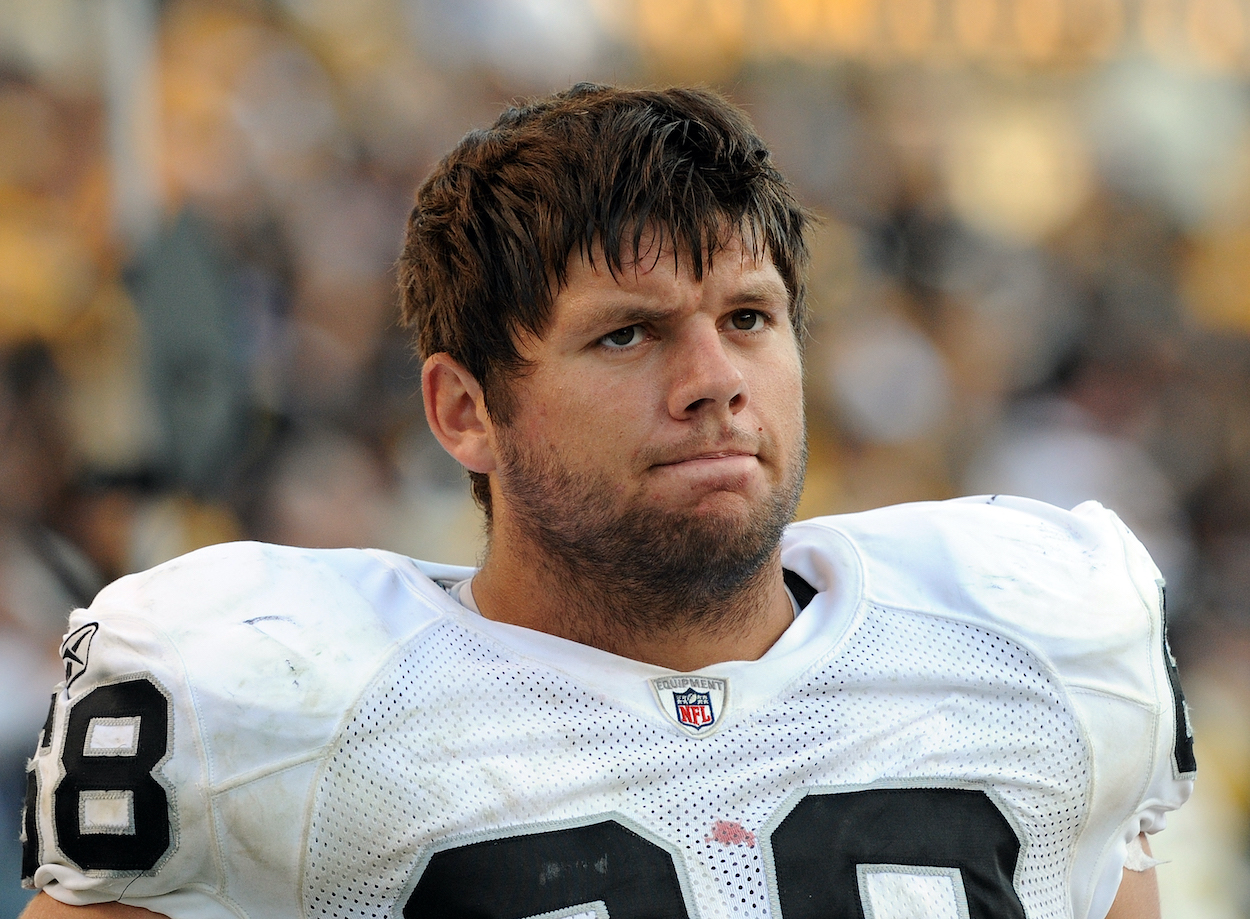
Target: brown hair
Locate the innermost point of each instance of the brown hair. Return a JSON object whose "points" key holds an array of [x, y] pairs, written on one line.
{"points": [[495, 224]]}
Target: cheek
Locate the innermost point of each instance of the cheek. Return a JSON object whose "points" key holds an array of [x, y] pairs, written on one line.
{"points": [[779, 397], [605, 412], [584, 426]]}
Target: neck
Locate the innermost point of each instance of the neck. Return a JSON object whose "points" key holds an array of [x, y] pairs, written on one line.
{"points": [[644, 619]]}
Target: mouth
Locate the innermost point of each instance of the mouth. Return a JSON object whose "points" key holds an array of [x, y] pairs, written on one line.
{"points": [[720, 461], [717, 470], [708, 456]]}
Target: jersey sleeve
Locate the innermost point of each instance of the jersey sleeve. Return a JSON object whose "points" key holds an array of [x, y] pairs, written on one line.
{"points": [[1094, 611], [180, 753], [1134, 711], [1079, 591], [118, 790]]}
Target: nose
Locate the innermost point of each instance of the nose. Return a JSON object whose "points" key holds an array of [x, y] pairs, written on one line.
{"points": [[705, 377]]}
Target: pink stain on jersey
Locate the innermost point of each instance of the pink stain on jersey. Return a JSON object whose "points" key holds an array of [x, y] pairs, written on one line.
{"points": [[731, 833]]}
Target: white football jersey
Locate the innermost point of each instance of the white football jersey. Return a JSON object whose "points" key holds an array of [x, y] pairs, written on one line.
{"points": [[972, 717]]}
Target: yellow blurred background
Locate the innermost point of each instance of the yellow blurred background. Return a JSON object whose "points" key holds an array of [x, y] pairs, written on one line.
{"points": [[1032, 275]]}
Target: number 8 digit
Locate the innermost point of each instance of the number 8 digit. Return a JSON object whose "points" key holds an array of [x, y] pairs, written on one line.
{"points": [[881, 851]]}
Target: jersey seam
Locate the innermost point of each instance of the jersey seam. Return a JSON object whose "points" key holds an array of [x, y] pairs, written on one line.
{"points": [[265, 772], [202, 746], [1150, 707], [856, 620], [1156, 644], [1155, 640], [414, 589], [379, 670]]}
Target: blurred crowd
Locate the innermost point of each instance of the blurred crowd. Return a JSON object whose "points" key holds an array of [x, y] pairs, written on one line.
{"points": [[1032, 275]]}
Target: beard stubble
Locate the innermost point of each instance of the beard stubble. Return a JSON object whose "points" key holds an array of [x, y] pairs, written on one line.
{"points": [[641, 570]]}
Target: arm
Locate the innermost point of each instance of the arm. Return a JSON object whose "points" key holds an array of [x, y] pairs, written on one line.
{"points": [[1138, 897], [45, 907]]}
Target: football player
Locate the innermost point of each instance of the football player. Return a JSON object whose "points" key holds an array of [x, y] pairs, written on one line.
{"points": [[654, 698]]}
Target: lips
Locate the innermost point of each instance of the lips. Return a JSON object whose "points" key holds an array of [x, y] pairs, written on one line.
{"points": [[724, 444], [719, 469], [706, 455]]}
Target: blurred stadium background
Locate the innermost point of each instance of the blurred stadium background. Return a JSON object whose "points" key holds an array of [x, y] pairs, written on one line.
{"points": [[1032, 276]]}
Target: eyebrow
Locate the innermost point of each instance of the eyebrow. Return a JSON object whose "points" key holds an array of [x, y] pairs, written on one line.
{"points": [[620, 315], [763, 292]]}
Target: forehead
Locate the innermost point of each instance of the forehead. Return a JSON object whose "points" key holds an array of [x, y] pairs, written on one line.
{"points": [[734, 267]]}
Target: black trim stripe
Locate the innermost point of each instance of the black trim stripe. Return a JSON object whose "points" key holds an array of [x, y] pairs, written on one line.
{"points": [[1183, 759]]}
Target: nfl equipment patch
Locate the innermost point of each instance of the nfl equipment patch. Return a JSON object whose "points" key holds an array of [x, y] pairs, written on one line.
{"points": [[696, 704]]}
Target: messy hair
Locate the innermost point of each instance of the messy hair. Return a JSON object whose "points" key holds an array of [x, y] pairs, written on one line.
{"points": [[588, 170]]}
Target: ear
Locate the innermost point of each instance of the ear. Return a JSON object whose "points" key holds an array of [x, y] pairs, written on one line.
{"points": [[456, 411]]}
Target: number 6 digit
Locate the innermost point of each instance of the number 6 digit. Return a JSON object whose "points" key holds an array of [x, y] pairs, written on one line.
{"points": [[603, 869]]}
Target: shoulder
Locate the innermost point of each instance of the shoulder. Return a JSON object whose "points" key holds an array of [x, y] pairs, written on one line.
{"points": [[241, 634], [358, 599], [953, 552], [236, 577], [1074, 586], [1074, 591], [221, 679], [256, 616], [990, 531]]}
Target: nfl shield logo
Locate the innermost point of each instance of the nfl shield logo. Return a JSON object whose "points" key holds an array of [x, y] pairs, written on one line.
{"points": [[694, 708], [695, 704]]}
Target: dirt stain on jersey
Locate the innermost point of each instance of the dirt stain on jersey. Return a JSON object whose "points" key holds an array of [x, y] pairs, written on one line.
{"points": [[550, 872]]}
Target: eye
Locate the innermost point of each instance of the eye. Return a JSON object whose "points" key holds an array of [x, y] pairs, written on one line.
{"points": [[623, 338], [747, 320]]}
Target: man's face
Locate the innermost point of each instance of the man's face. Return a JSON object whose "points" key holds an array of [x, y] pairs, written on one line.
{"points": [[658, 432]]}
